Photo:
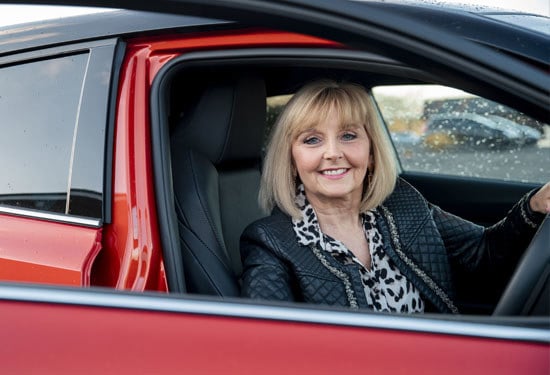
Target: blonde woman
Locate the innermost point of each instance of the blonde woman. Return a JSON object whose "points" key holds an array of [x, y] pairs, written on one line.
{"points": [[345, 230]]}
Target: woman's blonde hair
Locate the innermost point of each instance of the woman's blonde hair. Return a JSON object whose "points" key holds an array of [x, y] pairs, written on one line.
{"points": [[308, 107]]}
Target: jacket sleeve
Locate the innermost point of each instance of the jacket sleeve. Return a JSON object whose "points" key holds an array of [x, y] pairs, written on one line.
{"points": [[265, 273], [496, 248]]}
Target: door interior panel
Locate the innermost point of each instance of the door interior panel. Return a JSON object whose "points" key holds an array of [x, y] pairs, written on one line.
{"points": [[482, 201]]}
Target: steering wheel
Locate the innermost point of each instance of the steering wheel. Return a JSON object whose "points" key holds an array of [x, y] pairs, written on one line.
{"points": [[528, 291]]}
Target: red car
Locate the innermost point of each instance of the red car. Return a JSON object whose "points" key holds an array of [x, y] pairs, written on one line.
{"points": [[131, 152]]}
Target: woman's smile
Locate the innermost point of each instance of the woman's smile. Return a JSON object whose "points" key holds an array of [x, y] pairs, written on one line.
{"points": [[335, 173]]}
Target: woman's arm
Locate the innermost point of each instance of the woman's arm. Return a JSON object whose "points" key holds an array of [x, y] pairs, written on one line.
{"points": [[265, 275], [475, 248]]}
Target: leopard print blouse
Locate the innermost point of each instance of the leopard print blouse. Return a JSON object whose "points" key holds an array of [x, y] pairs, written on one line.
{"points": [[386, 289]]}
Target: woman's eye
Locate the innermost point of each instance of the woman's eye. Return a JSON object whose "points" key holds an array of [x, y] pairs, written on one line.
{"points": [[311, 140], [349, 136]]}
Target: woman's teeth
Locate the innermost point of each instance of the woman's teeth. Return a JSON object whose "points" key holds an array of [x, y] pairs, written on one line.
{"points": [[333, 172]]}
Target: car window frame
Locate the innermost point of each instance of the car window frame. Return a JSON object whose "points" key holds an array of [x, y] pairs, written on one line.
{"points": [[159, 100]]}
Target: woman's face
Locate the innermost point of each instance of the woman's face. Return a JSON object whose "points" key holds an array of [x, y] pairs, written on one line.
{"points": [[332, 161]]}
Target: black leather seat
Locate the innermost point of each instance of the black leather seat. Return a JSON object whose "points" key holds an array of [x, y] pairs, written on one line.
{"points": [[216, 152]]}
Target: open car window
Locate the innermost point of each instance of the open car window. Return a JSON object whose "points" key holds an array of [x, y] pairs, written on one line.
{"points": [[431, 155]]}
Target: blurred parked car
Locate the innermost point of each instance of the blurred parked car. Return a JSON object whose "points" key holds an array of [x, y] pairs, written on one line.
{"points": [[529, 135], [130, 162], [475, 130]]}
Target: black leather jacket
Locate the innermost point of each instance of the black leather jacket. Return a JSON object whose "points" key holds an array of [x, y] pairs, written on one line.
{"points": [[427, 244]]}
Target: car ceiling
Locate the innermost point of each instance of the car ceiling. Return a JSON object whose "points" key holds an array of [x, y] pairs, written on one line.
{"points": [[285, 77]]}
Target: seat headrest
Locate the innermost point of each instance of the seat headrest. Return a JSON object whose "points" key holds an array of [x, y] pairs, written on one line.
{"points": [[227, 122]]}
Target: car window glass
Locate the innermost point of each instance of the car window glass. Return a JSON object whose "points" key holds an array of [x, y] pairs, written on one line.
{"points": [[442, 130], [39, 108]]}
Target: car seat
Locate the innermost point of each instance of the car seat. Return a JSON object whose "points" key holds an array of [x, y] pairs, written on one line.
{"points": [[216, 151]]}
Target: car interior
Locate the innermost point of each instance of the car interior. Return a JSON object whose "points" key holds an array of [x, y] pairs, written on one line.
{"points": [[216, 125]]}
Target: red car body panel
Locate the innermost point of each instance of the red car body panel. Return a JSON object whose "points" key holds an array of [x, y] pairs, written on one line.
{"points": [[131, 258], [132, 341], [47, 252]]}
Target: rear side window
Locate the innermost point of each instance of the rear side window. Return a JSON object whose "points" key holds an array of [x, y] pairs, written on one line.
{"points": [[52, 126], [39, 108]]}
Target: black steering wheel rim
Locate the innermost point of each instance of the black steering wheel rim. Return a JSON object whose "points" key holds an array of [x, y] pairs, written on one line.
{"points": [[527, 290]]}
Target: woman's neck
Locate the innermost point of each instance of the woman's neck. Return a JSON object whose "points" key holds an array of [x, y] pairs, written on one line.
{"points": [[341, 221], [335, 219]]}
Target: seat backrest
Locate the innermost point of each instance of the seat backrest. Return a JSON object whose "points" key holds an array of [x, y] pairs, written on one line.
{"points": [[216, 152]]}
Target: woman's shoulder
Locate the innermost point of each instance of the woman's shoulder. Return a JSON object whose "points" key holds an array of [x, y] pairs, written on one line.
{"points": [[273, 232], [278, 221], [404, 193], [406, 204]]}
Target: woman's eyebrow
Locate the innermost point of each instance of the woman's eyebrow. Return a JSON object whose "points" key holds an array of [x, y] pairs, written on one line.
{"points": [[307, 131]]}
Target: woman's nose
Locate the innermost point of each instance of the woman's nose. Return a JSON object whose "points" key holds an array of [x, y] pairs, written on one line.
{"points": [[332, 150]]}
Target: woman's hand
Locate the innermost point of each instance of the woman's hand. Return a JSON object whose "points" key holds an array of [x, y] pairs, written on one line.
{"points": [[540, 202]]}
